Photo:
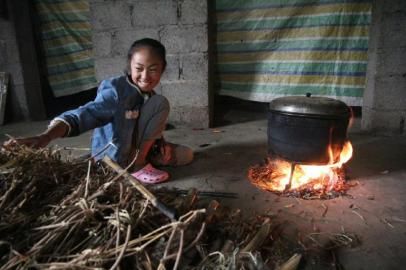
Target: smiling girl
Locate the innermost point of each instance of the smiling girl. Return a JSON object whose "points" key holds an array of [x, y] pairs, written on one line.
{"points": [[127, 116]]}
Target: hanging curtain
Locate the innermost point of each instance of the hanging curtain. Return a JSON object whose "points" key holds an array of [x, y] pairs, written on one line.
{"points": [[271, 48], [66, 39]]}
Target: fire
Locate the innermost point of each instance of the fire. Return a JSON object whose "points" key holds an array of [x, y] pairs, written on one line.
{"points": [[276, 176]]}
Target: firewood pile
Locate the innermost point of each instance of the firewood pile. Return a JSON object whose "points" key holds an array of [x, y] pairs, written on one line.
{"points": [[66, 214]]}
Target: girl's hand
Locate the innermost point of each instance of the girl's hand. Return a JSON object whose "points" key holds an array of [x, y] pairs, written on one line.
{"points": [[38, 141], [56, 129]]}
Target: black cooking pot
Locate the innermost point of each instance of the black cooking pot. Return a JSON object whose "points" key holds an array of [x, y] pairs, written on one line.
{"points": [[301, 128]]}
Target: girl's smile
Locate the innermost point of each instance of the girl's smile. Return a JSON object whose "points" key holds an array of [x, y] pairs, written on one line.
{"points": [[146, 69]]}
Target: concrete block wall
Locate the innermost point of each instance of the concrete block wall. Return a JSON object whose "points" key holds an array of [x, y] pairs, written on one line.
{"points": [[384, 107], [181, 25], [19, 59], [10, 62]]}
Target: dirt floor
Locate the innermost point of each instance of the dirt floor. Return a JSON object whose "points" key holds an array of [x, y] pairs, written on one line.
{"points": [[373, 211]]}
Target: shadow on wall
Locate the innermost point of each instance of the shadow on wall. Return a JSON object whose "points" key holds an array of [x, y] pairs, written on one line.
{"points": [[230, 110], [14, 112], [57, 105]]}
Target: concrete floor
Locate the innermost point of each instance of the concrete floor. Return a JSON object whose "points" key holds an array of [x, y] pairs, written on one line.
{"points": [[375, 211]]}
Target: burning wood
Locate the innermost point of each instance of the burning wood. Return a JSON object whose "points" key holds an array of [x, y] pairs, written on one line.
{"points": [[305, 181]]}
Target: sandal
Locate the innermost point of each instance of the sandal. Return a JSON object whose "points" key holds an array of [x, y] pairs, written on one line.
{"points": [[151, 175]]}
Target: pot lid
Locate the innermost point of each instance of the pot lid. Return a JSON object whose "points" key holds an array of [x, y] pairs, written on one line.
{"points": [[309, 105]]}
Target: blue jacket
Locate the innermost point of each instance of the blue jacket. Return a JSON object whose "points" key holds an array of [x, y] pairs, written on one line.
{"points": [[113, 132]]}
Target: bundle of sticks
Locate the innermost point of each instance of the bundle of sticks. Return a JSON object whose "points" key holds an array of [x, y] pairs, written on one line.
{"points": [[67, 214]]}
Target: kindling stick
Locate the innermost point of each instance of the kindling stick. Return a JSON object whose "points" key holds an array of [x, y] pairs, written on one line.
{"points": [[218, 194], [167, 211], [292, 171]]}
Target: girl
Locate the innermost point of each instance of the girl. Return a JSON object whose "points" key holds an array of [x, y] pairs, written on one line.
{"points": [[127, 116]]}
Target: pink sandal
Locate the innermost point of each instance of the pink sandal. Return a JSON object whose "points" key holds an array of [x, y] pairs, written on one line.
{"points": [[151, 175]]}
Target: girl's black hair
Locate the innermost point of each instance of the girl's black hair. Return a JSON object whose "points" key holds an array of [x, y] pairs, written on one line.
{"points": [[155, 45]]}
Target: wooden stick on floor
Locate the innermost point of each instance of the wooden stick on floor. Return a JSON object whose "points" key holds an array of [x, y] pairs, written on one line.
{"points": [[167, 211]]}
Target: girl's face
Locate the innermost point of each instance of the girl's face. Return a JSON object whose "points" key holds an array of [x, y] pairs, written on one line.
{"points": [[146, 69]]}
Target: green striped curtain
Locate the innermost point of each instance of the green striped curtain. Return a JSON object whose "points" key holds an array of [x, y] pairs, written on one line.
{"points": [[271, 48], [66, 39]]}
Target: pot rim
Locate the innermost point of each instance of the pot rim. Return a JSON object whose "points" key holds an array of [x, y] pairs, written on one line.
{"points": [[310, 106]]}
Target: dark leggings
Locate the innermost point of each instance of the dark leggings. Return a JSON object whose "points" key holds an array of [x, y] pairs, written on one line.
{"points": [[151, 125], [152, 120]]}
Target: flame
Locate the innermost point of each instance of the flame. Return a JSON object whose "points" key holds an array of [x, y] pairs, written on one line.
{"points": [[318, 177]]}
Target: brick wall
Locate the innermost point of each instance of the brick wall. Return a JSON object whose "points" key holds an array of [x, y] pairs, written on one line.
{"points": [[181, 25], [384, 108]]}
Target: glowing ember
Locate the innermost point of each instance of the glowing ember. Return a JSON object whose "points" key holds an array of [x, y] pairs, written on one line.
{"points": [[275, 176]]}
